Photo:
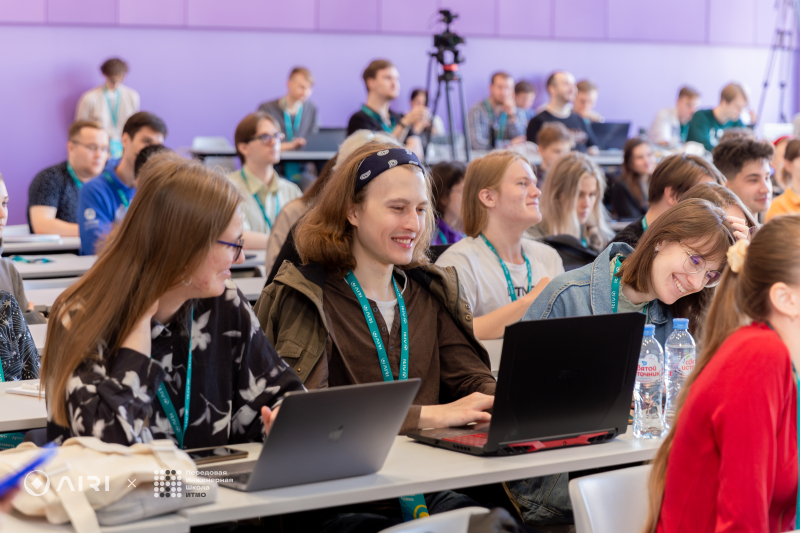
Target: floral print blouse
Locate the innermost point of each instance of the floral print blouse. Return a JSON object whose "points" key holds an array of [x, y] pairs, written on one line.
{"points": [[18, 354]]}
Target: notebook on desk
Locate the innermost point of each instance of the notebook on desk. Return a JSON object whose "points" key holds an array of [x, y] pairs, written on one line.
{"points": [[555, 388]]}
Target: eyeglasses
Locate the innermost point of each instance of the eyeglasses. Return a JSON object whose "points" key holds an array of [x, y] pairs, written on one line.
{"points": [[238, 245], [268, 138], [696, 263], [93, 147]]}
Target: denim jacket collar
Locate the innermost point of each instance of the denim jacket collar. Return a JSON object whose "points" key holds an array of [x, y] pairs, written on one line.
{"points": [[601, 282]]}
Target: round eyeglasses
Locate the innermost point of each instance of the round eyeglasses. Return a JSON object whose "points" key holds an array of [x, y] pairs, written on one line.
{"points": [[696, 263]]}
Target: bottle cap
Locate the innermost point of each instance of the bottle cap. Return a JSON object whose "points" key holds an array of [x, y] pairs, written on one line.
{"points": [[649, 330], [680, 323]]}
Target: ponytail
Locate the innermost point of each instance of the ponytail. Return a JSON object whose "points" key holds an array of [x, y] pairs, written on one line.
{"points": [[723, 318]]}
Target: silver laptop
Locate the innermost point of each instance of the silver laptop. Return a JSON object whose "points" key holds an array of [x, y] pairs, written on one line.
{"points": [[325, 434]]}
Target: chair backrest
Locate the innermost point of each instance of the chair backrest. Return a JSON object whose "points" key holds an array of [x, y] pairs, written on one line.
{"points": [[211, 143], [611, 502], [450, 522]]}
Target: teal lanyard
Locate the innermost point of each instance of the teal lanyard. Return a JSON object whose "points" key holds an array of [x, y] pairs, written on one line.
{"points": [[501, 129], [510, 283], [121, 194], [386, 369], [261, 206], [287, 119], [373, 114], [442, 236], [413, 506], [166, 402], [114, 112], [644, 223], [74, 176], [615, 283]]}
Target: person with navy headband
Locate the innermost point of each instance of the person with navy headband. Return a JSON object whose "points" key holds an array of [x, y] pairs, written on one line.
{"points": [[367, 306]]}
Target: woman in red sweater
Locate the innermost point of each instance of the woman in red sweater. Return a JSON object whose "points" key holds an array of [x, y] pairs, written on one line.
{"points": [[730, 464]]}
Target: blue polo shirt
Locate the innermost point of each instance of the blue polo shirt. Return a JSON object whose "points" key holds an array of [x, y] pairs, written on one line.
{"points": [[102, 202]]}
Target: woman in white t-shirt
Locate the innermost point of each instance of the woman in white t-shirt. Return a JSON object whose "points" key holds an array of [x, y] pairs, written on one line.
{"points": [[500, 271]]}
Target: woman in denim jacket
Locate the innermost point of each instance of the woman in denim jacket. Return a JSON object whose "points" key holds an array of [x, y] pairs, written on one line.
{"points": [[679, 256]]}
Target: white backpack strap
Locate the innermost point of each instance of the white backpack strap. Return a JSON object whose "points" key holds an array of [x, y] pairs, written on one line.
{"points": [[80, 513]]}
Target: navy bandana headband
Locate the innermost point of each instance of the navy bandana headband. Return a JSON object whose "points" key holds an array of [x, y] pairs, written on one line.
{"points": [[378, 163]]}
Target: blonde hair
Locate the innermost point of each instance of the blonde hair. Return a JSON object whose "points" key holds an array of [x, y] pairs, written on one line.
{"points": [[325, 236], [483, 173], [560, 198], [180, 210], [773, 256]]}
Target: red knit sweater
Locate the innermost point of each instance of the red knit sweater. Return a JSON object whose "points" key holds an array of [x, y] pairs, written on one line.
{"points": [[733, 465]]}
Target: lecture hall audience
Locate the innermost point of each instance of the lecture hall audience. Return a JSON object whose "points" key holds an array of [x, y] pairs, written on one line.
{"points": [[497, 121]]}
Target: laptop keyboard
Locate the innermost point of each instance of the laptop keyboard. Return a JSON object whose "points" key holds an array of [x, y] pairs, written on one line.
{"points": [[475, 439]]}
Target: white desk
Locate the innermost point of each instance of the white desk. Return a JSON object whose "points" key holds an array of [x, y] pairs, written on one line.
{"points": [[20, 412], [65, 244], [413, 468], [495, 349], [62, 266], [39, 333], [253, 259]]}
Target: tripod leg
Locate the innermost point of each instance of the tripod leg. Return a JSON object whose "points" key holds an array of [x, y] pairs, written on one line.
{"points": [[463, 98], [777, 44], [450, 119]]}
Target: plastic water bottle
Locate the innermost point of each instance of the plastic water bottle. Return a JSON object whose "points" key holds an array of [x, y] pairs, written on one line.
{"points": [[681, 356], [648, 420]]}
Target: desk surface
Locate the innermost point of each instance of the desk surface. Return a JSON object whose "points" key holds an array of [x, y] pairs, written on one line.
{"points": [[412, 468], [20, 412], [66, 244], [171, 523]]}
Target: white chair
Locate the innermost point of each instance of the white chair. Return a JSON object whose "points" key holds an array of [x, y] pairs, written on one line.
{"points": [[17, 229], [611, 502], [450, 522]]}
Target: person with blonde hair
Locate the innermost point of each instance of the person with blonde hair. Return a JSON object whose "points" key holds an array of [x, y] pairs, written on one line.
{"points": [[572, 203], [156, 327], [367, 306], [788, 203], [708, 125], [730, 461], [501, 272]]}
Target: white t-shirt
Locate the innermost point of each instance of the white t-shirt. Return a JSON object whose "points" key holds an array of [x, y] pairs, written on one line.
{"points": [[482, 278]]}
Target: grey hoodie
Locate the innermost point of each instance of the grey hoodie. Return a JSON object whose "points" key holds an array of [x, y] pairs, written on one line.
{"points": [[11, 282]]}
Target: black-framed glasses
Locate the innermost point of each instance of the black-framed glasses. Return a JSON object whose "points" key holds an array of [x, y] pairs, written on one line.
{"points": [[238, 245], [268, 138], [696, 263], [93, 147]]}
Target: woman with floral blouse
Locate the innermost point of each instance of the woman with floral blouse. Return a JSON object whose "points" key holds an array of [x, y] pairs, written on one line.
{"points": [[156, 341]]}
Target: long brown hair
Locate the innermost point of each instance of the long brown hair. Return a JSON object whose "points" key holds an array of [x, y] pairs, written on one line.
{"points": [[721, 197], [325, 235], [631, 178], [560, 196], [680, 172], [179, 211], [791, 153], [483, 173], [772, 257], [690, 220]]}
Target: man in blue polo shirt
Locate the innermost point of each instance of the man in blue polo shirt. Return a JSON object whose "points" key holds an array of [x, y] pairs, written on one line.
{"points": [[104, 200]]}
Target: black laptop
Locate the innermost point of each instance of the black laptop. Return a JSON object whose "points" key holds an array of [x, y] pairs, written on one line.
{"points": [[611, 135], [562, 382], [325, 140]]}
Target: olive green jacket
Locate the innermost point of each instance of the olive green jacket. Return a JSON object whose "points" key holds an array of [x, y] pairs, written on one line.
{"points": [[290, 311]]}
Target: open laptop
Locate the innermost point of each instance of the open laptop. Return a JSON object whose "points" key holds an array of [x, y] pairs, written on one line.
{"points": [[325, 140], [562, 382], [326, 434], [611, 135]]}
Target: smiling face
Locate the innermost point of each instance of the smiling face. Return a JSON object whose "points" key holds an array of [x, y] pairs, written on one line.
{"points": [[669, 279], [208, 279], [753, 185], [516, 203], [587, 198], [391, 220]]}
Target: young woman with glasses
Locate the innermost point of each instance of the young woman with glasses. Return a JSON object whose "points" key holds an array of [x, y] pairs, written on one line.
{"points": [[155, 341]]}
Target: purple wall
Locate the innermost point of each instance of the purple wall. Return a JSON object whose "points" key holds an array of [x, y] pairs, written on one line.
{"points": [[203, 64]]}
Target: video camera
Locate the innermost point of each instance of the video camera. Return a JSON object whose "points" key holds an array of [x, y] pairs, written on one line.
{"points": [[447, 41]]}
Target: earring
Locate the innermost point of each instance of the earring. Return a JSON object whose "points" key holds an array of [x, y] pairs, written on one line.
{"points": [[656, 248], [188, 282]]}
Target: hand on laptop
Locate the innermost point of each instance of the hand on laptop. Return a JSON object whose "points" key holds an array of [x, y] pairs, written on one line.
{"points": [[268, 416], [468, 409]]}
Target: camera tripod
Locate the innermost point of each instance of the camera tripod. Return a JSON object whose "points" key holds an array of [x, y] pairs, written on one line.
{"points": [[786, 24]]}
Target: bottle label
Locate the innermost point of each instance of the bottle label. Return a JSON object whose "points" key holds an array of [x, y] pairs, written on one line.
{"points": [[649, 369], [687, 364]]}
